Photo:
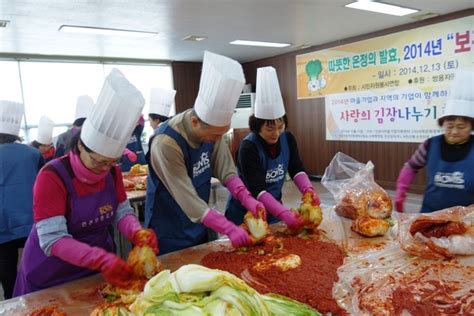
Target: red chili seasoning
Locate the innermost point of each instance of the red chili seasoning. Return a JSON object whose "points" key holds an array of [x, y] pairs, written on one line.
{"points": [[434, 289], [436, 300], [437, 289], [49, 310], [86, 294], [310, 283]]}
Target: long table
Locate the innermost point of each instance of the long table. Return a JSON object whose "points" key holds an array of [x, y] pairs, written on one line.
{"points": [[80, 297]]}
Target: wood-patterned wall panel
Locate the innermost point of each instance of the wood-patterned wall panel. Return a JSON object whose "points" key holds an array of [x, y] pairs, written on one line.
{"points": [[186, 83]]}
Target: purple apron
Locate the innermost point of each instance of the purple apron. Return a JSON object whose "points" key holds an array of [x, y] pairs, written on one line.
{"points": [[88, 220]]}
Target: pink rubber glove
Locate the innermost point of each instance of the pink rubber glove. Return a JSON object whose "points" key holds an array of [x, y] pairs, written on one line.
{"points": [[146, 237], [277, 209], [405, 179], [128, 226], [130, 154], [303, 183], [239, 191], [114, 270], [131, 228], [217, 222]]}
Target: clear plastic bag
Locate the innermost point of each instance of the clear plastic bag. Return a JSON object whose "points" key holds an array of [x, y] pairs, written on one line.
{"points": [[342, 171], [437, 247], [368, 281], [354, 189]]}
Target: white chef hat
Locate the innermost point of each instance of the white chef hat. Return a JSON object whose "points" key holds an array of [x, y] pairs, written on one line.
{"points": [[45, 131], [11, 114], [461, 96], [222, 80], [84, 106], [109, 126], [268, 100], [161, 101]]}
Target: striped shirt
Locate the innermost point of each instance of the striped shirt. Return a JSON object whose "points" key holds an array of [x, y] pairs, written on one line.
{"points": [[449, 152]]}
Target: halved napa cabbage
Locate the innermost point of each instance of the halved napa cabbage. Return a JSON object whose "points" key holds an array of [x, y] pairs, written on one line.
{"points": [[258, 227], [197, 290]]}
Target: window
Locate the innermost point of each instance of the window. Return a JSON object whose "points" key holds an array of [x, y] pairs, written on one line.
{"points": [[10, 84], [10, 81], [145, 77], [51, 88]]}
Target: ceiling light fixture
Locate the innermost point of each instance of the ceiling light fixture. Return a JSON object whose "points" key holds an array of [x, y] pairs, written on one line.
{"points": [[304, 46], [104, 31], [380, 7], [4, 23], [194, 38], [256, 43]]}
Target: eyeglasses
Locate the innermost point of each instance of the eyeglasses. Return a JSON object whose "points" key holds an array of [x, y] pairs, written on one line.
{"points": [[99, 163]]}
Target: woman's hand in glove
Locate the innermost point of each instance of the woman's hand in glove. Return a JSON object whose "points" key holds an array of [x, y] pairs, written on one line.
{"points": [[217, 222], [146, 237]]}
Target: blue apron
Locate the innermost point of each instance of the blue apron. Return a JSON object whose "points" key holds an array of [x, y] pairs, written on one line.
{"points": [[174, 229], [135, 145], [448, 183], [150, 185], [275, 178], [18, 168]]}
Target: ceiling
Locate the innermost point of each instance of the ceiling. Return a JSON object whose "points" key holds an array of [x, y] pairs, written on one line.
{"points": [[34, 24]]}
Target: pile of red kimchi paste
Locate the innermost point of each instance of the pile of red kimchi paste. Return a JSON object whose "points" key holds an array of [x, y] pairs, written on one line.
{"points": [[436, 289], [440, 288], [310, 282], [48, 310]]}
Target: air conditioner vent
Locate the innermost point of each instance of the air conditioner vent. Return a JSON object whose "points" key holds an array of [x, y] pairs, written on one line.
{"points": [[246, 100]]}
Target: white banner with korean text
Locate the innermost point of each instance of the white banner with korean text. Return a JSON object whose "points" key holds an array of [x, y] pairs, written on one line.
{"points": [[403, 115]]}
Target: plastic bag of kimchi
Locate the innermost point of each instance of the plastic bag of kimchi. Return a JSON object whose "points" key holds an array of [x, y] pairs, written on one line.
{"points": [[390, 281], [354, 189], [438, 235]]}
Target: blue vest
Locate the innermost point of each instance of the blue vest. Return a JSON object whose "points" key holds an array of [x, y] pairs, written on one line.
{"points": [[448, 183], [174, 229], [150, 185], [275, 177], [135, 145], [18, 169]]}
